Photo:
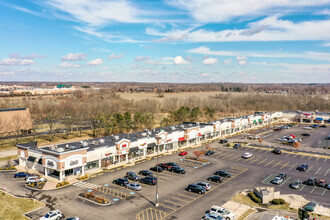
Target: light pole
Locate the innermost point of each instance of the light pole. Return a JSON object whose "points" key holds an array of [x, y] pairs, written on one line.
{"points": [[157, 141]]}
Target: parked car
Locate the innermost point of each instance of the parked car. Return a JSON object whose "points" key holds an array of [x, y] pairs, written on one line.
{"points": [[212, 216], [20, 174], [237, 146], [53, 215], [247, 155], [215, 178], [277, 180], [147, 172], [182, 153], [132, 176], [277, 151], [205, 185], [176, 169], [223, 141], [308, 128], [277, 129], [305, 134], [310, 206], [314, 126], [210, 152], [30, 175], [282, 139], [73, 218], [328, 186], [134, 186], [312, 181], [195, 188], [35, 179], [121, 181], [322, 126], [157, 169], [282, 175], [222, 173], [322, 183], [303, 167], [296, 184], [222, 212], [151, 180], [166, 166]]}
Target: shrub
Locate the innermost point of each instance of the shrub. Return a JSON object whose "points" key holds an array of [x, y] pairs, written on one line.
{"points": [[40, 187], [254, 198], [66, 182], [58, 185], [278, 201], [32, 184], [62, 183]]}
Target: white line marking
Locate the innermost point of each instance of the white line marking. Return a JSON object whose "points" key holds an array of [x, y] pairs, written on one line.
{"points": [[293, 166], [327, 172], [285, 181], [302, 187], [313, 189], [318, 170], [309, 169], [324, 191]]}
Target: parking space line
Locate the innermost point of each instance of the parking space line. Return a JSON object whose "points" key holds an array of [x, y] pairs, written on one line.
{"points": [[262, 161], [278, 163], [186, 196], [182, 200], [234, 157], [254, 149], [310, 157], [285, 181], [295, 155], [318, 170], [302, 187], [302, 156], [171, 202], [313, 189], [325, 159], [269, 163], [309, 169], [287, 154], [317, 158], [256, 160], [240, 158], [166, 206], [222, 155], [293, 166], [324, 191], [327, 172], [284, 165]]}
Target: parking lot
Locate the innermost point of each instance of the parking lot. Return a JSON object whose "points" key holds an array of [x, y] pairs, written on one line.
{"points": [[174, 201]]}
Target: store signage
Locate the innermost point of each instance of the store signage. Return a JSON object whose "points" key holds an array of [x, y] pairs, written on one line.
{"points": [[108, 154], [124, 146], [74, 162]]}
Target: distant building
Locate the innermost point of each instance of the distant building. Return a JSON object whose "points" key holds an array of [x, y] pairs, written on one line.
{"points": [[15, 121]]}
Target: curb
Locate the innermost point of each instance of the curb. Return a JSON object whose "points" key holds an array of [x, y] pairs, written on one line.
{"points": [[81, 197]]}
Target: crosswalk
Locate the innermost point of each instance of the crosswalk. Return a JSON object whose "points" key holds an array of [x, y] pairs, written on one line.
{"points": [[86, 185]]}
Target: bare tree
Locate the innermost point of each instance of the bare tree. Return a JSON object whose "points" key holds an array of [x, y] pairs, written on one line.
{"points": [[18, 126], [52, 116]]}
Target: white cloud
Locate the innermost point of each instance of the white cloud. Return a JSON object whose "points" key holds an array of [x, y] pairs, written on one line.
{"points": [[326, 44], [210, 61], [242, 62], [241, 58], [16, 62], [205, 74], [74, 57], [224, 10], [95, 62], [267, 54], [69, 65], [325, 12], [115, 56], [180, 60], [227, 61], [141, 58], [105, 68]]}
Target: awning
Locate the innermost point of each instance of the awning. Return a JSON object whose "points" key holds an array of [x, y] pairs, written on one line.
{"points": [[318, 119], [134, 149], [254, 121], [293, 136], [32, 159], [199, 134], [182, 139], [260, 120]]}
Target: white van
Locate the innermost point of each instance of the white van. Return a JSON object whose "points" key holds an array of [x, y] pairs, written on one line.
{"points": [[222, 212]]}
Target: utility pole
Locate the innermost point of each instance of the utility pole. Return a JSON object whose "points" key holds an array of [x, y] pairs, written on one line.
{"points": [[157, 197]]}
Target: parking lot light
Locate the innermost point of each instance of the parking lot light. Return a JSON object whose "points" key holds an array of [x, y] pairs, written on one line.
{"points": [[157, 196]]}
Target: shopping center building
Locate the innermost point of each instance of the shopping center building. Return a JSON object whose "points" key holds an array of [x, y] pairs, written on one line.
{"points": [[87, 156]]}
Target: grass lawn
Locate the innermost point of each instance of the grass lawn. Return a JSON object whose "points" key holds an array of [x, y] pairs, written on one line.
{"points": [[8, 157], [14, 208], [241, 198]]}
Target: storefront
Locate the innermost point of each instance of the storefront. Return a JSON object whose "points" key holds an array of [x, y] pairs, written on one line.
{"points": [[93, 164]]}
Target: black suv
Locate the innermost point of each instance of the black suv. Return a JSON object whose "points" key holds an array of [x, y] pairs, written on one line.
{"points": [[223, 141], [277, 151], [312, 181], [157, 169], [237, 145], [217, 179], [195, 188], [149, 180], [145, 173], [222, 173], [132, 176], [281, 175], [120, 181], [210, 152], [176, 169]]}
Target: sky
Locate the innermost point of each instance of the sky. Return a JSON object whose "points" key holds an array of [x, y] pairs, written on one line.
{"points": [[179, 41]]}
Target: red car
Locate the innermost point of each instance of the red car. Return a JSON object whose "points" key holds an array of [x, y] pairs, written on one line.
{"points": [[182, 153], [277, 129]]}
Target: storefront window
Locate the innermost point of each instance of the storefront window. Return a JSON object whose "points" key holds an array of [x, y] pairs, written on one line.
{"points": [[92, 165]]}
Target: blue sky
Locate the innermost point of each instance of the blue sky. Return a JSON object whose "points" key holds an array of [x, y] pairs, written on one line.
{"points": [[250, 41]]}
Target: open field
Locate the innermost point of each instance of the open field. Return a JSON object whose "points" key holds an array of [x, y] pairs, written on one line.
{"points": [[13, 208]]}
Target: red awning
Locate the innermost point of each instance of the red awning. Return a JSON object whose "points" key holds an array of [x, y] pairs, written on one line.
{"points": [[293, 136], [182, 139], [199, 134]]}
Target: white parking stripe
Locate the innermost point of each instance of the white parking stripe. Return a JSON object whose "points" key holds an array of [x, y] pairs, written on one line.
{"points": [[285, 181], [309, 169], [318, 170], [313, 189], [302, 187], [293, 166], [327, 172]]}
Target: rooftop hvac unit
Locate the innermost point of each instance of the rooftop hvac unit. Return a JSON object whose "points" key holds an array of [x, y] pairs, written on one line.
{"points": [[182, 126], [72, 147], [81, 142], [66, 146], [95, 142], [102, 141], [85, 144], [146, 130], [60, 149], [190, 125], [197, 123], [52, 147], [172, 128], [149, 132], [116, 137], [144, 134], [154, 130]]}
